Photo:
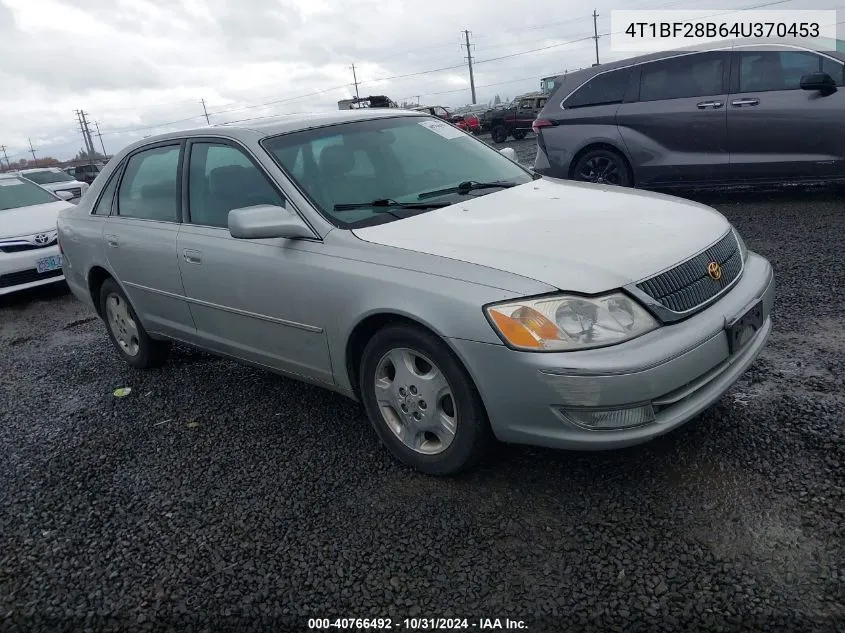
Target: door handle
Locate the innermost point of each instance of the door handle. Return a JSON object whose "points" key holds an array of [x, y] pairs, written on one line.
{"points": [[745, 102], [112, 241], [192, 256], [709, 104]]}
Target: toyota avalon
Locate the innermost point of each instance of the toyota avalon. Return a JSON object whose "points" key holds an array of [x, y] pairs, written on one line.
{"points": [[391, 257]]}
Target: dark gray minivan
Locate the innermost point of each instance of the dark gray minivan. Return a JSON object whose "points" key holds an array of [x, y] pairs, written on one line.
{"points": [[730, 114]]}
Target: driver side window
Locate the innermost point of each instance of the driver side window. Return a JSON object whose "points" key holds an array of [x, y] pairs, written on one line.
{"points": [[221, 178]]}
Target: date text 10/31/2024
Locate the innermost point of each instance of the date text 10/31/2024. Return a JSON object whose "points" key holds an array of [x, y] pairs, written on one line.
{"points": [[418, 624]]}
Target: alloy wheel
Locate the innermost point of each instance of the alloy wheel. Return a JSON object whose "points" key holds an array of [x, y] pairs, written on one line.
{"points": [[416, 401]]}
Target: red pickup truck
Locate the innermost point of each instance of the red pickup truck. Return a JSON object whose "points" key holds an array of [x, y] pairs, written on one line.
{"points": [[516, 121], [468, 123]]}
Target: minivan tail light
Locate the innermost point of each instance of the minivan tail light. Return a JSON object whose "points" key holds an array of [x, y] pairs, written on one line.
{"points": [[539, 124]]}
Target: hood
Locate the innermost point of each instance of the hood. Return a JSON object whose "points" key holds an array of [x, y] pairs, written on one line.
{"points": [[58, 186], [28, 220], [574, 236]]}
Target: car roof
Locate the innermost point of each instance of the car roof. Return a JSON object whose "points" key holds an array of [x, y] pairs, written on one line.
{"points": [[572, 80], [35, 169], [280, 124]]}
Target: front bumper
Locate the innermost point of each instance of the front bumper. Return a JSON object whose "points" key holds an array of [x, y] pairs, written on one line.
{"points": [[676, 371], [18, 270]]}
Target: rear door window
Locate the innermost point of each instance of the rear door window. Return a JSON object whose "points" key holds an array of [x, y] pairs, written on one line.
{"points": [[606, 88], [149, 189], [700, 75]]}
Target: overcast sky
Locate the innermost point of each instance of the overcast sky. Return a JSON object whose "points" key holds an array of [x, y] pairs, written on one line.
{"points": [[134, 65]]}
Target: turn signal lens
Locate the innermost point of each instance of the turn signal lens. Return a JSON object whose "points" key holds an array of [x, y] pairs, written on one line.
{"points": [[564, 323]]}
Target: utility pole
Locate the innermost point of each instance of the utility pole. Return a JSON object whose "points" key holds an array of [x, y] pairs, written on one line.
{"points": [[86, 134], [89, 140], [103, 145], [207, 120], [355, 79], [596, 33], [6, 156], [32, 149], [469, 62]]}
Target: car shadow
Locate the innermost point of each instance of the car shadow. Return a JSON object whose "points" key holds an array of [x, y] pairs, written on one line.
{"points": [[23, 298]]}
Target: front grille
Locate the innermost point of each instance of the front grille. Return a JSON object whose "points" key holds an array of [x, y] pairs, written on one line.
{"points": [[687, 285], [75, 192], [26, 277], [17, 248]]}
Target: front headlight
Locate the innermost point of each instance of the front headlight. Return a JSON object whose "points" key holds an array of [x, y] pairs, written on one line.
{"points": [[566, 322], [743, 250]]}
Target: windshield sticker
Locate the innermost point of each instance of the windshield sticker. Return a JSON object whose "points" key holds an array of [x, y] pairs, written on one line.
{"points": [[11, 182], [443, 129]]}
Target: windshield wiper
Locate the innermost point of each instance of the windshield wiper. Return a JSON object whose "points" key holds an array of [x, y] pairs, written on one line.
{"points": [[383, 205], [465, 187]]}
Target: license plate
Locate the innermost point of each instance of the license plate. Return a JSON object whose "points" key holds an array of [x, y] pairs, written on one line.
{"points": [[743, 329], [47, 264]]}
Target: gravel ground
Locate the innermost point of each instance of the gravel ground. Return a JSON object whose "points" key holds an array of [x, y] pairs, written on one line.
{"points": [[219, 497]]}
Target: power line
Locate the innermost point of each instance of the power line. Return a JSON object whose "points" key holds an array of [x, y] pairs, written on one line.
{"points": [[32, 149], [3, 149]]}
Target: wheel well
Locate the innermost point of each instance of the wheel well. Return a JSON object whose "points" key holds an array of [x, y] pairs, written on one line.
{"points": [[361, 335], [96, 277], [606, 146]]}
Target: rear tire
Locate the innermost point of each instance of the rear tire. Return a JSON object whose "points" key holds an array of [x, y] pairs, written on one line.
{"points": [[520, 134], [422, 402], [128, 336], [499, 134], [603, 166]]}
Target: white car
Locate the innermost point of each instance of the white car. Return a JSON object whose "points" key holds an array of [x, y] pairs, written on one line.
{"points": [[55, 180], [29, 250]]}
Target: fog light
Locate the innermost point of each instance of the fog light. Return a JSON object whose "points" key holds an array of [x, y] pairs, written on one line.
{"points": [[609, 419]]}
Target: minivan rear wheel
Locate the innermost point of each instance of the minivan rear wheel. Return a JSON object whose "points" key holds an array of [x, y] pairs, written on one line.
{"points": [[603, 166]]}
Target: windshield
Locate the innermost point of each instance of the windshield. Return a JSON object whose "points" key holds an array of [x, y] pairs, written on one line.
{"points": [[393, 159], [17, 192], [46, 177]]}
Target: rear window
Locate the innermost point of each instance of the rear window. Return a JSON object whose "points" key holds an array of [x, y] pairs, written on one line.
{"points": [[606, 88]]}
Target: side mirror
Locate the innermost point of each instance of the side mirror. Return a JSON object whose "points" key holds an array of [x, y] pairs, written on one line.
{"points": [[818, 81], [267, 221], [64, 195], [509, 152]]}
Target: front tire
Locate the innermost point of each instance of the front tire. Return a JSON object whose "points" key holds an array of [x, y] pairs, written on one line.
{"points": [[499, 134], [603, 166], [128, 336], [422, 402], [520, 134]]}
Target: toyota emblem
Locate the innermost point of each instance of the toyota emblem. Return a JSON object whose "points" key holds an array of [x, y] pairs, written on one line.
{"points": [[42, 238]]}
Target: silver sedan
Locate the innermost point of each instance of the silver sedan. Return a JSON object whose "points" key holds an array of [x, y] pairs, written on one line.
{"points": [[395, 259]]}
